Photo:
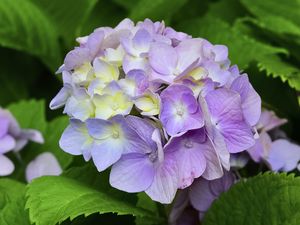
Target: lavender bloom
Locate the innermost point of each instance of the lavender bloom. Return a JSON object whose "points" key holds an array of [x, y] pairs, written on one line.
{"points": [[191, 204], [279, 154], [203, 192], [43, 165], [195, 156], [168, 62], [180, 110], [192, 109], [226, 117], [146, 169], [13, 138]]}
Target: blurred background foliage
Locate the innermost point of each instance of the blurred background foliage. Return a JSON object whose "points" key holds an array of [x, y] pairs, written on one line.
{"points": [[263, 39]]}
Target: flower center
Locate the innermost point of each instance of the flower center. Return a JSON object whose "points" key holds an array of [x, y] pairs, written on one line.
{"points": [[115, 134], [180, 110], [153, 156], [188, 144]]}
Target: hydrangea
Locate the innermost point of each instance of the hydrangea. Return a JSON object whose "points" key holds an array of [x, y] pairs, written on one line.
{"points": [[272, 145], [13, 139], [191, 204], [160, 107]]}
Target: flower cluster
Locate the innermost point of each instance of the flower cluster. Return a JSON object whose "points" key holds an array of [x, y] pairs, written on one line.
{"points": [[191, 204], [272, 146], [13, 139], [160, 107]]}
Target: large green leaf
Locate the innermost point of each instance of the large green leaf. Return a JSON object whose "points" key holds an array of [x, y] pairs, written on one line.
{"points": [[12, 203], [156, 9], [275, 66], [68, 15], [23, 26], [64, 198], [271, 199], [242, 49], [275, 16]]}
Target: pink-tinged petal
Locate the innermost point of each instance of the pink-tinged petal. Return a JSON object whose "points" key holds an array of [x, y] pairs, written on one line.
{"points": [[251, 102], [105, 153], [268, 121], [189, 156], [75, 138], [227, 116], [189, 51], [132, 173], [44, 164], [261, 148], [283, 155], [7, 143], [6, 166], [165, 183], [163, 58]]}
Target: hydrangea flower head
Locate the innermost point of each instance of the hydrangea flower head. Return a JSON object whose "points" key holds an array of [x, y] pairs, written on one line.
{"points": [[160, 107]]}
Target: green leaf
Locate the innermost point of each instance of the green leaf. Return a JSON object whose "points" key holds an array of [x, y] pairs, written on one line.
{"points": [[30, 114], [12, 203], [24, 27], [68, 15], [128, 4], [155, 9], [275, 66], [271, 199], [101, 16], [64, 198], [242, 48], [275, 16]]}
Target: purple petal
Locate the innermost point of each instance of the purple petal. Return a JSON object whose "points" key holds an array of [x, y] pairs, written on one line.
{"points": [[165, 183], [43, 165], [188, 153], [75, 138], [283, 155], [268, 121], [6, 166], [227, 116], [61, 98], [141, 40], [251, 102], [132, 173], [76, 58], [261, 148], [94, 42], [4, 124], [7, 143], [189, 51], [105, 153], [163, 58]]}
